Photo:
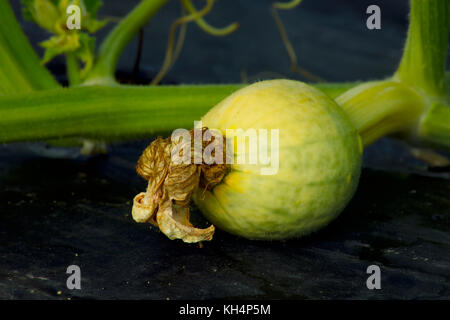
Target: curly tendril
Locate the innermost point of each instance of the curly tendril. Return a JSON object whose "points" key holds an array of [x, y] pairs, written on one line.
{"points": [[194, 15], [207, 27], [180, 39], [287, 5], [287, 44]]}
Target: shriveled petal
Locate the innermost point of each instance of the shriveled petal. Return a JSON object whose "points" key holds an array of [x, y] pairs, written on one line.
{"points": [[154, 161], [173, 221], [181, 182], [212, 175], [144, 212], [171, 185]]}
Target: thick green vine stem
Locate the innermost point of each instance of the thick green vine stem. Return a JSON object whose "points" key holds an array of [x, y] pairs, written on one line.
{"points": [[127, 112], [111, 48], [435, 126], [112, 113], [423, 68], [105, 113], [390, 107], [20, 70], [381, 108], [424, 58]]}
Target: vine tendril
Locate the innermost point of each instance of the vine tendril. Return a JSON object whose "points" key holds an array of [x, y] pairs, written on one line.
{"points": [[287, 5], [168, 60], [202, 24], [287, 44]]}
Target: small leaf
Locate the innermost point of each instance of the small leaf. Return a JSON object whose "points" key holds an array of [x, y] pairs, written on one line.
{"points": [[93, 25], [52, 16], [59, 44]]}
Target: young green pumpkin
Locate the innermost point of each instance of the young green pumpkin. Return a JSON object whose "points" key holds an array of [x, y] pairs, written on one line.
{"points": [[319, 162]]}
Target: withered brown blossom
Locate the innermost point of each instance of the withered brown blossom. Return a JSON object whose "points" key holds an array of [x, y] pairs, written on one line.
{"points": [[171, 185]]}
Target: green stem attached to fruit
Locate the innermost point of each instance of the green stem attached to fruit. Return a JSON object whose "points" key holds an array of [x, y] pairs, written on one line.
{"points": [[112, 113]]}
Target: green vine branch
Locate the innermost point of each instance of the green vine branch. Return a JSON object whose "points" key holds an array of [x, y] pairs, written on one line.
{"points": [[112, 113], [424, 59], [116, 41], [21, 70]]}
